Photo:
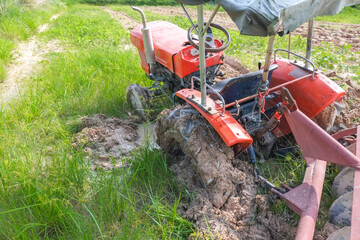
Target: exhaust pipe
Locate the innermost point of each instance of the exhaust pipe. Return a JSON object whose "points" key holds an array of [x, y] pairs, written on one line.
{"points": [[147, 39]]}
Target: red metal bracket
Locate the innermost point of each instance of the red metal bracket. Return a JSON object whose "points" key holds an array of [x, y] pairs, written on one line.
{"points": [[355, 215], [305, 199]]}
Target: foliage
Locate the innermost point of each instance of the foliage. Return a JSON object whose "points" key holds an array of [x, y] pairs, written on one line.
{"points": [[19, 21], [48, 189], [347, 15], [131, 2]]}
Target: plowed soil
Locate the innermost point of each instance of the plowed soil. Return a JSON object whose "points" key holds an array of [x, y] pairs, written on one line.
{"points": [[107, 141], [226, 201]]}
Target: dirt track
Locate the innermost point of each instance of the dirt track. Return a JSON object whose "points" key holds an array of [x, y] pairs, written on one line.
{"points": [[27, 56]]}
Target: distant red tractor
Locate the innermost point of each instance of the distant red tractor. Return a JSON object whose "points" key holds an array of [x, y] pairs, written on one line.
{"points": [[247, 111]]}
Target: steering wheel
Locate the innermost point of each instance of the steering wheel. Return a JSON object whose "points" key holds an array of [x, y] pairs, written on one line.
{"points": [[210, 41]]}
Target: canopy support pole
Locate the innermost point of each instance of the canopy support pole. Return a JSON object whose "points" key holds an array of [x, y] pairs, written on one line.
{"points": [[200, 12], [289, 46], [309, 41], [264, 83]]}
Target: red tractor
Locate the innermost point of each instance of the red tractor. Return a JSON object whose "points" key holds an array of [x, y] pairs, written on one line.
{"points": [[251, 112]]}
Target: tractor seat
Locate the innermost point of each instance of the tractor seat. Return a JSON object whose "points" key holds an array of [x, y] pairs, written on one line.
{"points": [[239, 87]]}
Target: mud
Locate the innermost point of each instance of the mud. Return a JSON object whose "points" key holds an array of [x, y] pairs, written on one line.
{"points": [[350, 116], [107, 141], [226, 200], [231, 68]]}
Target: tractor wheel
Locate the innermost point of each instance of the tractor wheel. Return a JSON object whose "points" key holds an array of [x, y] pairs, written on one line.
{"points": [[343, 182], [341, 234], [138, 97], [184, 133], [341, 209]]}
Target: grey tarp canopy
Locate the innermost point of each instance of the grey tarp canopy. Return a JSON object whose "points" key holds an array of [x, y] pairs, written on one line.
{"points": [[270, 17]]}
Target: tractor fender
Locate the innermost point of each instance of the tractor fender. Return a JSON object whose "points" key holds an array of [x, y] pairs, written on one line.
{"points": [[311, 95], [225, 125]]}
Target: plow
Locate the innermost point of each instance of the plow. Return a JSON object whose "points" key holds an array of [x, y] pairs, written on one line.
{"points": [[249, 115]]}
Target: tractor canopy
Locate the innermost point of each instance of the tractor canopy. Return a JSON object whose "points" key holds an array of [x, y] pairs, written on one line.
{"points": [[271, 17]]}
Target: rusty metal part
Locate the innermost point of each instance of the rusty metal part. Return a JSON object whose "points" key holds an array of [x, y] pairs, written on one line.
{"points": [[355, 217], [347, 135], [287, 98], [272, 123], [197, 101], [288, 102]]}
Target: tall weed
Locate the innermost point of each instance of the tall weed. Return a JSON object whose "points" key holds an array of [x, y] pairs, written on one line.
{"points": [[48, 189]]}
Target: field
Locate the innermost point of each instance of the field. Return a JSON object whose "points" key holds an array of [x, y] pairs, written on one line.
{"points": [[65, 67]]}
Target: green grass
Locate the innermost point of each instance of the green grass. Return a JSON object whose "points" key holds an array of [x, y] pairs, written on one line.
{"points": [[17, 23], [48, 190], [347, 15]]}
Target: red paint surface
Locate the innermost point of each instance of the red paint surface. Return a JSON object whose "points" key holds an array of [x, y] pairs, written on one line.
{"points": [[171, 49], [355, 216], [226, 126], [311, 95]]}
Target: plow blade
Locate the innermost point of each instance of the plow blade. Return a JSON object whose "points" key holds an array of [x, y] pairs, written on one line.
{"points": [[305, 199], [315, 143], [355, 216], [318, 147]]}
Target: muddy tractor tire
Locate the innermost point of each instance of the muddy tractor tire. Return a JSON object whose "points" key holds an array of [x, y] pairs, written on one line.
{"points": [[138, 98], [184, 132]]}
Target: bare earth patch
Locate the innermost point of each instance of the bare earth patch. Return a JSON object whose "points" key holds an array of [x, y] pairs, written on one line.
{"points": [[107, 141], [337, 33], [125, 21], [351, 114], [27, 57]]}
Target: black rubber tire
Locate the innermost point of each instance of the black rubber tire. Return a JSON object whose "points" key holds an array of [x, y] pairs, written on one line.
{"points": [[184, 132], [341, 234], [341, 209], [138, 98], [343, 182]]}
